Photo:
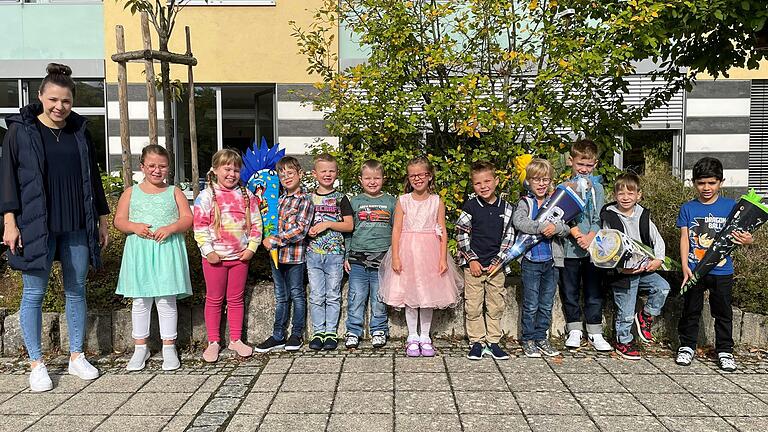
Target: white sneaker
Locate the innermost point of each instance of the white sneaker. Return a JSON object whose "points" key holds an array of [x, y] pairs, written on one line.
{"points": [[39, 381], [81, 368], [599, 343], [574, 339], [684, 356], [170, 358], [138, 359]]}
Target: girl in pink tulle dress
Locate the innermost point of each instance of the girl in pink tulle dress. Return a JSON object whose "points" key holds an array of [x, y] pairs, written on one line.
{"points": [[417, 273]]}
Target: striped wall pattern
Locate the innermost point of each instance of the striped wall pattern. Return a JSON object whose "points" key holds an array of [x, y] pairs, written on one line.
{"points": [[717, 125], [299, 126]]}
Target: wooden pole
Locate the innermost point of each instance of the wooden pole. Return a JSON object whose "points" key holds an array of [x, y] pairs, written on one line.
{"points": [[122, 96], [149, 71], [192, 123]]}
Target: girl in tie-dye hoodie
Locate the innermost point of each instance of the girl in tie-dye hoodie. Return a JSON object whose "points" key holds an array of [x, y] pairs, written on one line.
{"points": [[227, 225]]}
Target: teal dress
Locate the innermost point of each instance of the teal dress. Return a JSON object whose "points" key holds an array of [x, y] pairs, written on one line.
{"points": [[149, 268]]}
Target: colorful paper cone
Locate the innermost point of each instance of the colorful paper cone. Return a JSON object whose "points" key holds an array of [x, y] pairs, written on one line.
{"points": [[612, 248]]}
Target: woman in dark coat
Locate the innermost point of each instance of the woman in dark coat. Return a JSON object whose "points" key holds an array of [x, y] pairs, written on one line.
{"points": [[53, 207]]}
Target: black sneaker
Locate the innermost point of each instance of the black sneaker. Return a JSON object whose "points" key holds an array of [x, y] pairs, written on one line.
{"points": [[269, 345], [316, 343], [727, 362], [497, 352], [546, 348], [684, 356], [530, 349], [378, 339], [351, 340], [294, 343], [476, 352], [331, 342]]}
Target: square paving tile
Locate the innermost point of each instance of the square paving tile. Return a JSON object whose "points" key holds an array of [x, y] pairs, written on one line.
{"points": [[575, 423], [277, 365], [478, 382], [369, 364], [213, 382], [753, 383], [749, 424], [535, 382], [220, 405], [154, 404], [301, 403], [524, 365], [17, 423], [256, 403], [61, 423], [178, 423], [366, 381], [650, 384], [463, 364], [359, 422], [438, 402], [68, 384], [486, 402], [548, 403], [628, 423], [734, 404], [109, 383], [422, 381], [712, 384], [174, 384], [603, 383], [607, 403], [674, 404], [35, 404], [571, 365], [622, 366], [14, 383], [430, 423], [92, 404], [193, 405], [268, 383], [320, 382], [313, 365], [668, 365], [698, 424], [421, 364], [243, 423], [363, 402], [137, 423], [494, 423], [303, 423]]}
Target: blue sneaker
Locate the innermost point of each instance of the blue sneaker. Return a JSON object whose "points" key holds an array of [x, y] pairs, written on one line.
{"points": [[316, 343], [496, 352], [476, 352]]}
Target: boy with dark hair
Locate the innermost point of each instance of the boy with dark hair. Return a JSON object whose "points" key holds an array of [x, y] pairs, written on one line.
{"points": [[485, 233], [699, 221]]}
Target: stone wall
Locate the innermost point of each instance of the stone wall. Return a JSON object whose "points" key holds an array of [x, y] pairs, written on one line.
{"points": [[109, 332]]}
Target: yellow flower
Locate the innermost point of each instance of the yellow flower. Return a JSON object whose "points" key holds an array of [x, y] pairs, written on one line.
{"points": [[521, 162]]}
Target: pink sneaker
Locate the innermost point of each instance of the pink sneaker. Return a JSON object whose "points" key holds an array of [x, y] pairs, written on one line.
{"points": [[211, 354], [240, 348], [427, 350], [412, 347]]}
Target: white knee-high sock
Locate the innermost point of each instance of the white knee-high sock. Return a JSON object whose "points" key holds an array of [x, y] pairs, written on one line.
{"points": [[412, 319], [425, 322]]}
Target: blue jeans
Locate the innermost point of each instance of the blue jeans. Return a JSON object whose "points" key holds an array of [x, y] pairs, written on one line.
{"points": [[538, 297], [580, 275], [325, 272], [74, 256], [289, 287], [626, 299], [364, 287]]}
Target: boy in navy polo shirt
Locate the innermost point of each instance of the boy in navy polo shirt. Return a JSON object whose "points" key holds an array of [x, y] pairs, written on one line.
{"points": [[699, 221], [485, 233]]}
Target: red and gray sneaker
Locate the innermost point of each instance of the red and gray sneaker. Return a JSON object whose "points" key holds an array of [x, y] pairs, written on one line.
{"points": [[643, 323], [628, 351]]}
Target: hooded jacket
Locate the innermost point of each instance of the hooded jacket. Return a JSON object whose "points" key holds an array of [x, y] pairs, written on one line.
{"points": [[23, 191]]}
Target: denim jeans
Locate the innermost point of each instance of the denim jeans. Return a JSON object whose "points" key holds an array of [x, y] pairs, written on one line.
{"points": [[325, 272], [364, 287], [289, 288], [626, 299], [538, 297], [580, 275], [74, 256]]}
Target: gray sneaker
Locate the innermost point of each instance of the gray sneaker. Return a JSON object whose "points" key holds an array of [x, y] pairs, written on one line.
{"points": [[530, 349], [547, 349], [378, 339]]}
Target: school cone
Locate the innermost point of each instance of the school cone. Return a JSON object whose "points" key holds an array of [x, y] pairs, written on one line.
{"points": [[563, 205], [748, 215]]}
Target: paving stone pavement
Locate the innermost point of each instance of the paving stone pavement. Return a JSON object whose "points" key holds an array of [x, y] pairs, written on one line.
{"points": [[381, 390]]}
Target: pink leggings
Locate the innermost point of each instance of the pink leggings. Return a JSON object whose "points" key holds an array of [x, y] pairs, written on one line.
{"points": [[225, 278]]}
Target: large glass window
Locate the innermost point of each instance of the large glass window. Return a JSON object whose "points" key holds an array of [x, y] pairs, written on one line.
{"points": [[9, 93], [205, 120], [247, 115]]}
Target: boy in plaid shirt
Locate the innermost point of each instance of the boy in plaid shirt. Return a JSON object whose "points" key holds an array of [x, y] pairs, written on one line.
{"points": [[485, 234], [294, 220]]}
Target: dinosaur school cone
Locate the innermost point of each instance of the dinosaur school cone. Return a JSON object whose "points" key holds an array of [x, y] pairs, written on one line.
{"points": [[748, 215], [564, 205]]}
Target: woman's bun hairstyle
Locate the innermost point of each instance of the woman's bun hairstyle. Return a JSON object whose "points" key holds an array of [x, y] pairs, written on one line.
{"points": [[59, 74]]}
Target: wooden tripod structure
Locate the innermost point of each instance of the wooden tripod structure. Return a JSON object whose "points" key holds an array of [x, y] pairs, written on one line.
{"points": [[148, 56]]}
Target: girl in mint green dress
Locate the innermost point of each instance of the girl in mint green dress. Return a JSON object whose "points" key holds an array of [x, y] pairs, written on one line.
{"points": [[155, 268]]}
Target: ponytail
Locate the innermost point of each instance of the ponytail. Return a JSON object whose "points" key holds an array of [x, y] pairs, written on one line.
{"points": [[247, 202], [210, 177]]}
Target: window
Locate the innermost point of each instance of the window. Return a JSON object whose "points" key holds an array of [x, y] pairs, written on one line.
{"points": [[231, 3], [758, 137], [9, 93]]}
